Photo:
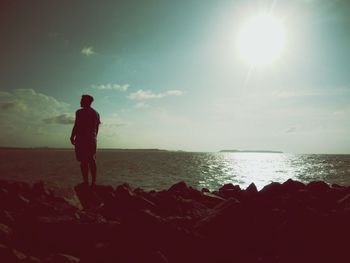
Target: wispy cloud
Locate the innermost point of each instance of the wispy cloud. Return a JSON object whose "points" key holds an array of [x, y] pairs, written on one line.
{"points": [[110, 86], [88, 51], [142, 105], [24, 114], [13, 105], [147, 94], [60, 119], [291, 130]]}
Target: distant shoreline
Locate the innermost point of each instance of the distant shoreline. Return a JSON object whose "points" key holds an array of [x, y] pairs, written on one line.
{"points": [[249, 151], [71, 149]]}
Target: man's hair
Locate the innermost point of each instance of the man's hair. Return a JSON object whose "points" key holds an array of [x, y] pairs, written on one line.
{"points": [[87, 98]]}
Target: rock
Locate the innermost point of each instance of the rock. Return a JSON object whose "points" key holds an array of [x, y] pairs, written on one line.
{"points": [[271, 190], [205, 190], [6, 217], [9, 255], [210, 200], [179, 188], [251, 190], [287, 222], [230, 186], [61, 258], [16, 202], [41, 189], [87, 197], [318, 187], [292, 186], [215, 223], [5, 233], [229, 190], [124, 191], [344, 202], [156, 257]]}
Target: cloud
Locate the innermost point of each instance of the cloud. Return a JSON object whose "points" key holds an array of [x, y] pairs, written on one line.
{"points": [[22, 114], [60, 119], [142, 105], [13, 105], [110, 86], [88, 51], [147, 94], [31, 101], [291, 130]]}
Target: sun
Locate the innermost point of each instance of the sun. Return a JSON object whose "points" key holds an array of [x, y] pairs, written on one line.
{"points": [[261, 40]]}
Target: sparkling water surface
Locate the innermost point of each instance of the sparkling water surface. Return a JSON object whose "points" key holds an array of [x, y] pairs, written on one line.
{"points": [[159, 170]]}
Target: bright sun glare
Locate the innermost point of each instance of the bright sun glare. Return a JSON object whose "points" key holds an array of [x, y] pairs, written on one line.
{"points": [[261, 40]]}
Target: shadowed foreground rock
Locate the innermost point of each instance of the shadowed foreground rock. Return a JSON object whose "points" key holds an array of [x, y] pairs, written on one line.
{"points": [[288, 222]]}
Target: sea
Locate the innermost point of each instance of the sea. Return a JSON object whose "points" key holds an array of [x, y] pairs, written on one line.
{"points": [[158, 170]]}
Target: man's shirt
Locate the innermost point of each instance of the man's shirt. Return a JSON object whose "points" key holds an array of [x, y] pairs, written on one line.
{"points": [[87, 121]]}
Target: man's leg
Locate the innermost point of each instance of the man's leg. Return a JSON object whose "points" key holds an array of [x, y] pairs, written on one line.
{"points": [[84, 167], [93, 170]]}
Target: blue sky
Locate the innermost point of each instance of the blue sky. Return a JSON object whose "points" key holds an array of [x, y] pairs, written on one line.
{"points": [[167, 74]]}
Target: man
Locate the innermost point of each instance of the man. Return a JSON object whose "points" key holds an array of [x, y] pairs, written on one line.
{"points": [[83, 137]]}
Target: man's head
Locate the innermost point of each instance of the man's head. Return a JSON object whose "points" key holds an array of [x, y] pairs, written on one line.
{"points": [[86, 101]]}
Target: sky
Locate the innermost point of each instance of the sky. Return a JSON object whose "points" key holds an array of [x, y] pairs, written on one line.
{"points": [[168, 74]]}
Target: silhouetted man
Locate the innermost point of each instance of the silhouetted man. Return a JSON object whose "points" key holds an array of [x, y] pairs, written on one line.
{"points": [[83, 137]]}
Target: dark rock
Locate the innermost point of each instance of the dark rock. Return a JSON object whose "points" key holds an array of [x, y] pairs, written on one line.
{"points": [[318, 187], [41, 189], [6, 217], [344, 202], [156, 257], [124, 191], [5, 233], [62, 258], [229, 191], [230, 186], [16, 202], [287, 222], [180, 187], [9, 255], [272, 189], [293, 186], [210, 200], [87, 197], [251, 189], [205, 190], [31, 259], [216, 222]]}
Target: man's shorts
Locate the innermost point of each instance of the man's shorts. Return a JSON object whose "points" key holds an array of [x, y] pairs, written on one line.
{"points": [[85, 150]]}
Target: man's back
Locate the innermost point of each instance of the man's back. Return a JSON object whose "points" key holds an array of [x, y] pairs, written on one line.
{"points": [[87, 121]]}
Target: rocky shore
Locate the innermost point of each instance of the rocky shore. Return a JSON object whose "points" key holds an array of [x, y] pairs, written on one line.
{"points": [[288, 222]]}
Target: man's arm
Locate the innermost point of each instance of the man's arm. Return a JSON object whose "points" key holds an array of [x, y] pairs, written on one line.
{"points": [[98, 123], [73, 135], [74, 131]]}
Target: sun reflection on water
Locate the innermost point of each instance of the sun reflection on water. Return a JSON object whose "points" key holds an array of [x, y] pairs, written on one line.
{"points": [[245, 168]]}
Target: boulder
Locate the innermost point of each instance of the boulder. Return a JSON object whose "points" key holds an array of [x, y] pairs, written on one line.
{"points": [[344, 202], [271, 190], [179, 188], [251, 190], [41, 189], [229, 190], [9, 255], [5, 233], [6, 217], [87, 197], [292, 186], [318, 187], [61, 258]]}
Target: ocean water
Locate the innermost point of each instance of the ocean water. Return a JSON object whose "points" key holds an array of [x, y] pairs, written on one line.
{"points": [[159, 170]]}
